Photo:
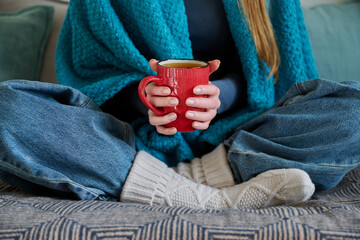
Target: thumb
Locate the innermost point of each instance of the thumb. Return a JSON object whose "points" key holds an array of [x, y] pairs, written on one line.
{"points": [[214, 65], [153, 64]]}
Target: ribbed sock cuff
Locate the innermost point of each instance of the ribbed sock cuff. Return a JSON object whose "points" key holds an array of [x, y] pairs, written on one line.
{"points": [[216, 167], [146, 181], [198, 171], [193, 171]]}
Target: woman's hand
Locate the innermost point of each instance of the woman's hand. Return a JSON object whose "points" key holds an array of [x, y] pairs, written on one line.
{"points": [[210, 104], [158, 96]]}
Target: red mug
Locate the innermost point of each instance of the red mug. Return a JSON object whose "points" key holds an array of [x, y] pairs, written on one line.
{"points": [[181, 76]]}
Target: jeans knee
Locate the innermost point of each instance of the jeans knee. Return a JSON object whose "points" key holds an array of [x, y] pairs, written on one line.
{"points": [[17, 99], [7, 97], [11, 89]]}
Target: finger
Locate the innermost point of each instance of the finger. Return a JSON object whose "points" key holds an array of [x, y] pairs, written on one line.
{"points": [[153, 89], [201, 116], [201, 125], [163, 101], [153, 64], [214, 65], [207, 103], [166, 131], [207, 90], [161, 120]]}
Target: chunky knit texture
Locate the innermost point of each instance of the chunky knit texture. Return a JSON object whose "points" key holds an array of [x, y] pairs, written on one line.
{"points": [[151, 182], [105, 45]]}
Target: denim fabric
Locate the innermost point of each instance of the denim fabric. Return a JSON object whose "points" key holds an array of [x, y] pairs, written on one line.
{"points": [[314, 127], [55, 137]]}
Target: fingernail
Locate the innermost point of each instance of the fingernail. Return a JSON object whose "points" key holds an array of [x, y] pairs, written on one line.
{"points": [[190, 114], [172, 116], [196, 124], [172, 130], [190, 102], [197, 90], [174, 101], [166, 91]]}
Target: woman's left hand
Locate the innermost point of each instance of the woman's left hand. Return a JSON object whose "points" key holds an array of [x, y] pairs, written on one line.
{"points": [[210, 103]]}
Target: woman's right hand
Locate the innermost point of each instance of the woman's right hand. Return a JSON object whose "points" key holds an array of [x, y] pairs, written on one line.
{"points": [[158, 96]]}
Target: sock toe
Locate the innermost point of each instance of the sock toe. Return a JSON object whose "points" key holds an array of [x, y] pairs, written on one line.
{"points": [[299, 186]]}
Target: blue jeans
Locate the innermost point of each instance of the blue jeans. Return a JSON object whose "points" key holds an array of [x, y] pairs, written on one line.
{"points": [[54, 138], [314, 127]]}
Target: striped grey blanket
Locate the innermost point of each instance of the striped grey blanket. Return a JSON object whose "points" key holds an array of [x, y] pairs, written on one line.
{"points": [[332, 214]]}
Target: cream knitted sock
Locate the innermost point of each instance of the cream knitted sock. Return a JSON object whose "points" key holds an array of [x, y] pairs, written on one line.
{"points": [[151, 182], [212, 169]]}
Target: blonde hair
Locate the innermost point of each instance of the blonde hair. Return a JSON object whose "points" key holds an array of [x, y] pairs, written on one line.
{"points": [[262, 32]]}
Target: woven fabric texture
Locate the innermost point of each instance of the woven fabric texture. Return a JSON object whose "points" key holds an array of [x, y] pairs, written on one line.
{"points": [[331, 214]]}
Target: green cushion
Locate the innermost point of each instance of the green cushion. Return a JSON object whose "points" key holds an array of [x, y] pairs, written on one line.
{"points": [[23, 36], [334, 32]]}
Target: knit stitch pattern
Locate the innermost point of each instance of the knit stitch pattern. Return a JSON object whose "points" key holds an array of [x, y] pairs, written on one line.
{"points": [[151, 182], [105, 45]]}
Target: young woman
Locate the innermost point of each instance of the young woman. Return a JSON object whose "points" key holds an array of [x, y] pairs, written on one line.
{"points": [[81, 144]]}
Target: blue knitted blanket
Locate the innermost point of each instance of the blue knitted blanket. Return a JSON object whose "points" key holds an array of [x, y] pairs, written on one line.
{"points": [[105, 45]]}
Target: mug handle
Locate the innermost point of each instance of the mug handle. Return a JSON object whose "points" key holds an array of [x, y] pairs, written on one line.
{"points": [[141, 92]]}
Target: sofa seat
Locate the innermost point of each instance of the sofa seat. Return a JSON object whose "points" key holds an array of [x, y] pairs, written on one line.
{"points": [[332, 214]]}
